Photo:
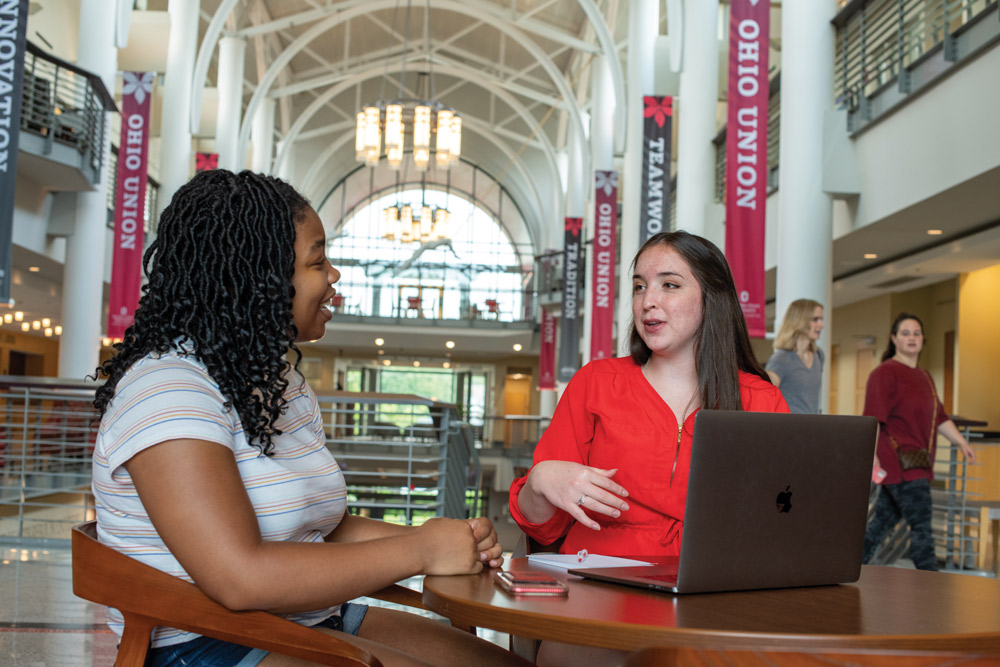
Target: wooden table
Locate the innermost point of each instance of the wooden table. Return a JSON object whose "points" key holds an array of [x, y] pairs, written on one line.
{"points": [[889, 608]]}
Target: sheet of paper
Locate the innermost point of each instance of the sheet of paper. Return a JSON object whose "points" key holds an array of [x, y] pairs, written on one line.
{"points": [[566, 561]]}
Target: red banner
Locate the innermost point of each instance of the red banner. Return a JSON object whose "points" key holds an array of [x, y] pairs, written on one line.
{"points": [[547, 355], [602, 302], [654, 209], [130, 202], [746, 155]]}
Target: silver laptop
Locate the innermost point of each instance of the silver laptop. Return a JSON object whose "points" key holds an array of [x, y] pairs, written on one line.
{"points": [[774, 501]]}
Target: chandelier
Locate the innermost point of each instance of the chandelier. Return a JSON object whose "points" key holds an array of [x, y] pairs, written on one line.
{"points": [[422, 225], [419, 118]]}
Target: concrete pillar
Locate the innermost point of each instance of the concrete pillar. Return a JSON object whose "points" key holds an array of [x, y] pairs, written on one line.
{"points": [[805, 231], [83, 315], [602, 155], [232, 51], [286, 172], [262, 137], [175, 132], [643, 26], [696, 112]]}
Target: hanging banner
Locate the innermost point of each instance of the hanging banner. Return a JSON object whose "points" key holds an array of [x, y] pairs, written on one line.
{"points": [[206, 161], [130, 202], [547, 354], [13, 31], [746, 155], [655, 209], [569, 335], [602, 302]]}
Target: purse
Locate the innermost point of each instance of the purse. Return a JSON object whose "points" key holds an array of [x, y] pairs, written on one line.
{"points": [[918, 458]]}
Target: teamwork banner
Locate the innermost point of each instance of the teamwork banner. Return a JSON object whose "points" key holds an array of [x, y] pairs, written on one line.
{"points": [[547, 354], [569, 335], [655, 204], [746, 155], [13, 31], [130, 202], [602, 302]]}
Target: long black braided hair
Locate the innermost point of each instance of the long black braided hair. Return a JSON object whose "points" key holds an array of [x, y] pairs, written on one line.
{"points": [[219, 284]]}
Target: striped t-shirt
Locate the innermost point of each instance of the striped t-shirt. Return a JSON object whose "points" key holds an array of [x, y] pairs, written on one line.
{"points": [[298, 492]]}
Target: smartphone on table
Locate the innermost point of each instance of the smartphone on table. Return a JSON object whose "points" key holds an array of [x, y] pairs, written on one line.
{"points": [[529, 583]]}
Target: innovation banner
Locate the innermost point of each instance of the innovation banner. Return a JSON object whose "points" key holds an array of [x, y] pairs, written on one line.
{"points": [[602, 303], [547, 354], [13, 35], [746, 155], [569, 334], [130, 202], [656, 127]]}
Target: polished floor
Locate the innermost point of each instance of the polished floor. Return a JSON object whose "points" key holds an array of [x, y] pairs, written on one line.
{"points": [[42, 624]]}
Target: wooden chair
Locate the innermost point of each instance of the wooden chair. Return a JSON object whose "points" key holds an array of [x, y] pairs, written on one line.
{"points": [[147, 597], [698, 657]]}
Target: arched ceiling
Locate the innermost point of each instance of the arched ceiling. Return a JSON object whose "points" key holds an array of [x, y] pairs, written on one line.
{"points": [[517, 71]]}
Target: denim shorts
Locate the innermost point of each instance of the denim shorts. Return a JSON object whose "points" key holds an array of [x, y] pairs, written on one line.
{"points": [[209, 652]]}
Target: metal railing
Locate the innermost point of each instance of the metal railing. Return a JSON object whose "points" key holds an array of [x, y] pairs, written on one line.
{"points": [[435, 300], [65, 104], [404, 458], [879, 42]]}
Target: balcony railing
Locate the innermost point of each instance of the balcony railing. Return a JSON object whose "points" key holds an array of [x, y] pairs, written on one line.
{"points": [[427, 301], [881, 45], [65, 105], [404, 458]]}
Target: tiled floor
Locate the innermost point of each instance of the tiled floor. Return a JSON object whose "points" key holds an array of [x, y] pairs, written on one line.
{"points": [[42, 624]]}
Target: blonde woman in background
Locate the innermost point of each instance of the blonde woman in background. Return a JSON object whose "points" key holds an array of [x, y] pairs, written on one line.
{"points": [[796, 367]]}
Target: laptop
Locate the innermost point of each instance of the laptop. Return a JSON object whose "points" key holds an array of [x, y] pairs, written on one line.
{"points": [[774, 501]]}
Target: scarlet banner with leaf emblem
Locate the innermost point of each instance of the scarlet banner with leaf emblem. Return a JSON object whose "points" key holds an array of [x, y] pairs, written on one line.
{"points": [[602, 303], [547, 353], [206, 161], [569, 334], [746, 155], [655, 206], [130, 202]]}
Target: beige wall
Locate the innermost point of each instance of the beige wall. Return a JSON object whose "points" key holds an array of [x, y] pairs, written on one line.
{"points": [[856, 328], [48, 348], [977, 386]]}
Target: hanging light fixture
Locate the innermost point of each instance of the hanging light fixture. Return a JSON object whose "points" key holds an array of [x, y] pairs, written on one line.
{"points": [[423, 117], [411, 223]]}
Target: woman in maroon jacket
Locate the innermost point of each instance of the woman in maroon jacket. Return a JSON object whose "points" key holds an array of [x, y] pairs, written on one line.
{"points": [[902, 397]]}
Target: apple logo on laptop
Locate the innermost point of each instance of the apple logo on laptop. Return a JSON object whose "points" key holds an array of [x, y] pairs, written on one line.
{"points": [[784, 500]]}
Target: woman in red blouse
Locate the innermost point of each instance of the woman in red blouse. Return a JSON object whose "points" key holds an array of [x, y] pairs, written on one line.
{"points": [[903, 399], [610, 473]]}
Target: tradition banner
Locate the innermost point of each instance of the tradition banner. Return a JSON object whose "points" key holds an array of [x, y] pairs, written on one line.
{"points": [[13, 32], [130, 202], [547, 353], [655, 205], [602, 303], [746, 155], [569, 335]]}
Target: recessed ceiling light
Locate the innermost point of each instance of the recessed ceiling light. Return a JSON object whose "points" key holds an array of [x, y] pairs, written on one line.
{"points": [[25, 326], [871, 255], [449, 344], [386, 362], [380, 341], [517, 347], [34, 269], [58, 330], [46, 322], [934, 232], [381, 351], [446, 364], [416, 364]]}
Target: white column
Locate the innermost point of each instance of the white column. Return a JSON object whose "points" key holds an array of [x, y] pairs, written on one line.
{"points": [[262, 136], [602, 139], [643, 26], [805, 232], [175, 132], [83, 315], [286, 172], [696, 109], [232, 52]]}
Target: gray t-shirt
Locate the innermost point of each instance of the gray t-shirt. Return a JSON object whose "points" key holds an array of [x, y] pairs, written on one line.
{"points": [[799, 385]]}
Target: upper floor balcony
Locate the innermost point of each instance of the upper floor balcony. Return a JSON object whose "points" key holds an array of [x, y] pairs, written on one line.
{"points": [[62, 138]]}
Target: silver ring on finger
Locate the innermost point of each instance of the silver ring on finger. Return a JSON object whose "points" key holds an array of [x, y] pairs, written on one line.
{"points": [[582, 500]]}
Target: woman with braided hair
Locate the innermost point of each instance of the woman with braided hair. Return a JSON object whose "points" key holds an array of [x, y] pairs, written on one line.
{"points": [[210, 462]]}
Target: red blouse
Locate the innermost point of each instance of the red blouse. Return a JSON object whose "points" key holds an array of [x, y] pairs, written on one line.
{"points": [[611, 417], [904, 401]]}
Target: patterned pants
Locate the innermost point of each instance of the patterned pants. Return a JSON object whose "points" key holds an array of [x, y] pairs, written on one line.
{"points": [[911, 501]]}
